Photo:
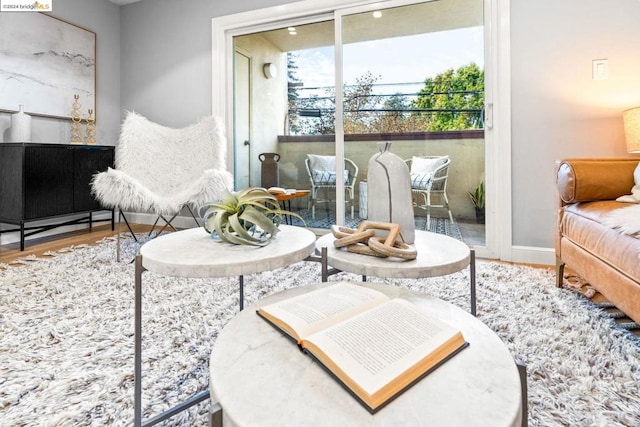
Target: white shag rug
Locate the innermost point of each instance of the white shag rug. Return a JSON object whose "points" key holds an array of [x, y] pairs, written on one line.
{"points": [[67, 332]]}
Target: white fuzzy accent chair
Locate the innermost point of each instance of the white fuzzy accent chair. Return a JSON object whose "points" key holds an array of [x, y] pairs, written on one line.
{"points": [[162, 170]]}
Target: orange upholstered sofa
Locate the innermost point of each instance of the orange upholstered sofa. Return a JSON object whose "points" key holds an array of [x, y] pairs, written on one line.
{"points": [[606, 258]]}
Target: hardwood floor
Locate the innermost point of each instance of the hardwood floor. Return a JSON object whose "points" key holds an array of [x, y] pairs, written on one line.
{"points": [[39, 246]]}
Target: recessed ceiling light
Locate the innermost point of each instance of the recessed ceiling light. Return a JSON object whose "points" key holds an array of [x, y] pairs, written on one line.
{"points": [[291, 29], [292, 33], [377, 14]]}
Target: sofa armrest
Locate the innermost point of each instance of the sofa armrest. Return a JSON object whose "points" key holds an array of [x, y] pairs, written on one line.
{"points": [[582, 180]]}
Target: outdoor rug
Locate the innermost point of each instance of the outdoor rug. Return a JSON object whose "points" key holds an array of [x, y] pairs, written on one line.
{"points": [[67, 335]]}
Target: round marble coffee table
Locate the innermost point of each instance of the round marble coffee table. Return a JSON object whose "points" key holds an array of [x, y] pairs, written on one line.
{"points": [[192, 253], [438, 255], [259, 377]]}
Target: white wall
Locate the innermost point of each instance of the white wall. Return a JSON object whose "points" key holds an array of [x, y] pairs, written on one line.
{"points": [[103, 18], [268, 99], [166, 56], [558, 111]]}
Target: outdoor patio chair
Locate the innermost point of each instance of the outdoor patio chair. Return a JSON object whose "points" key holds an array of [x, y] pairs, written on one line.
{"points": [[428, 179], [322, 175], [163, 170]]}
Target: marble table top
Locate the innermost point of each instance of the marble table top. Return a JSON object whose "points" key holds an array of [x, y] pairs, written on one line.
{"points": [[192, 253], [261, 378], [438, 255]]}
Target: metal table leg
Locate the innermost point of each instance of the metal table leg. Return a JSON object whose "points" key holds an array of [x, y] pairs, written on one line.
{"points": [[472, 278], [137, 376], [137, 404]]}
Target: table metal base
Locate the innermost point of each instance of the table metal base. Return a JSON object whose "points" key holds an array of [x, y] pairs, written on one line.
{"points": [[326, 272], [137, 404], [139, 269]]}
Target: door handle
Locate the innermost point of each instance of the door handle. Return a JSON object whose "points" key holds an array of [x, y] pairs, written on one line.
{"points": [[247, 142]]}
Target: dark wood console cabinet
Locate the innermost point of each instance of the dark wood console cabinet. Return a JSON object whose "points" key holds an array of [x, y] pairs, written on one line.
{"points": [[44, 181]]}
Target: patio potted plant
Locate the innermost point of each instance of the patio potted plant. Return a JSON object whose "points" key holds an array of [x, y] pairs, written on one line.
{"points": [[477, 198], [250, 216]]}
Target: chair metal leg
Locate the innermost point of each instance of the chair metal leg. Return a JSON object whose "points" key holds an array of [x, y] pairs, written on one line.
{"points": [[167, 223], [122, 216], [312, 200], [194, 217], [446, 202], [351, 195], [153, 226], [428, 210], [118, 237]]}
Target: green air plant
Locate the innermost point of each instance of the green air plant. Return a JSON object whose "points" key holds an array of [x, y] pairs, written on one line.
{"points": [[250, 216], [477, 196]]}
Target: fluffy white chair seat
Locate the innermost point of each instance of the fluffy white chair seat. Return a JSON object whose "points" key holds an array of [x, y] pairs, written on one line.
{"points": [[161, 170]]}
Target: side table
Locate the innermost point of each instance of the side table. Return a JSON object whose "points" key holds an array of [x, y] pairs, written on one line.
{"points": [[438, 255], [192, 253], [259, 377], [285, 199]]}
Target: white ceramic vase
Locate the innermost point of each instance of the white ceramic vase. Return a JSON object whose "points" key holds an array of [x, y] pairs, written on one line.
{"points": [[20, 127], [389, 180]]}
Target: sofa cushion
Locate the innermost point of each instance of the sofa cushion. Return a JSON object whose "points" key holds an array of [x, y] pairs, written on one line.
{"points": [[582, 180], [582, 224]]}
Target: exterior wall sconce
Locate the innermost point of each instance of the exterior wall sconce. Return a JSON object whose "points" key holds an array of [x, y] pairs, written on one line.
{"points": [[631, 120], [269, 69]]}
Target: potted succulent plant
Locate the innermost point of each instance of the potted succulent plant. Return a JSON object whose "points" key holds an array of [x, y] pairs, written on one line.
{"points": [[477, 198], [250, 216]]}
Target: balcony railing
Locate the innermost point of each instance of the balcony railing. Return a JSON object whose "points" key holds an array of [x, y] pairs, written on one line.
{"points": [[465, 148]]}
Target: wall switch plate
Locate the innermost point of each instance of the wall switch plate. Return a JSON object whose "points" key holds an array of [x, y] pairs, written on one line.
{"points": [[600, 69]]}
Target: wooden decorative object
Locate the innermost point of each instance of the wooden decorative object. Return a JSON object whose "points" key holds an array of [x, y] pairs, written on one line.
{"points": [[363, 240], [76, 122], [90, 135]]}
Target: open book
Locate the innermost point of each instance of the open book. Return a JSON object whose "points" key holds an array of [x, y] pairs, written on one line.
{"points": [[376, 347], [280, 190]]}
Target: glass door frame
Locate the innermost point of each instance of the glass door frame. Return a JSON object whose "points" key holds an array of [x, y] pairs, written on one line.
{"points": [[497, 93]]}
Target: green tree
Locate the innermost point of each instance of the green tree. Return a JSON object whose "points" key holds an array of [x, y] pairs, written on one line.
{"points": [[293, 95], [452, 100], [396, 116], [361, 105]]}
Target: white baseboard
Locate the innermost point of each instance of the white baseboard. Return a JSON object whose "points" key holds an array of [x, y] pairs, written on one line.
{"points": [[533, 255]]}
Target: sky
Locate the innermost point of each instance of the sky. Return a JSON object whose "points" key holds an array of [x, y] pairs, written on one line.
{"points": [[396, 60]]}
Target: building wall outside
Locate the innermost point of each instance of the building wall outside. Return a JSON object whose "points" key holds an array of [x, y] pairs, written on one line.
{"points": [[465, 172], [268, 99]]}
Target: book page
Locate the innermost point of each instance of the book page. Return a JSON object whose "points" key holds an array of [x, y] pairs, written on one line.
{"points": [[315, 310], [376, 347], [276, 190]]}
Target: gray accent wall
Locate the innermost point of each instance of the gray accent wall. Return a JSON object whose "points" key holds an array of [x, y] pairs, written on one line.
{"points": [[103, 18], [166, 56]]}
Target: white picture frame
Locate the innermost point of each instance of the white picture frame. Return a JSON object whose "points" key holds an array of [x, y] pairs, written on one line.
{"points": [[44, 62]]}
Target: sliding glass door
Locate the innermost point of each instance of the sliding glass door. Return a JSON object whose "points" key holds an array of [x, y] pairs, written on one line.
{"points": [[413, 75], [323, 93]]}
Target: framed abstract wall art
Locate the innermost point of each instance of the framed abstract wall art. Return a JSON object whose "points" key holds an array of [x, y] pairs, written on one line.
{"points": [[44, 62]]}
